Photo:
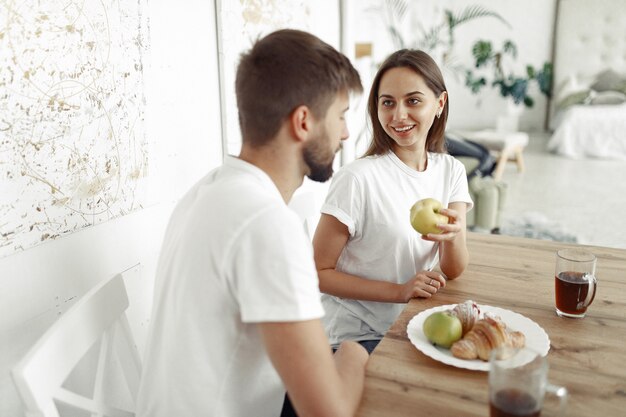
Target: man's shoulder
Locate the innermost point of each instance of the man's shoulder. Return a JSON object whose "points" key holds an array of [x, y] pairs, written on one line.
{"points": [[241, 185], [230, 197]]}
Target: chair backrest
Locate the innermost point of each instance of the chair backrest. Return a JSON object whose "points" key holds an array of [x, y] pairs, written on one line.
{"points": [[99, 316]]}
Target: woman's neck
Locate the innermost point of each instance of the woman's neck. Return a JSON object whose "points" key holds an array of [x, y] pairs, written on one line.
{"points": [[415, 158]]}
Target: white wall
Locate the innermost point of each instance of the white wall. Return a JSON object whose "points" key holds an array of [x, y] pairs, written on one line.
{"points": [[39, 284], [532, 25], [531, 29], [241, 22]]}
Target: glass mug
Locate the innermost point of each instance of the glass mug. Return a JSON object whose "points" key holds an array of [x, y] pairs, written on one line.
{"points": [[518, 382], [574, 282]]}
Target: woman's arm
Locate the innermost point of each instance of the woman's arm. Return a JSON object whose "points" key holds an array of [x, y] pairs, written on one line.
{"points": [[329, 240]]}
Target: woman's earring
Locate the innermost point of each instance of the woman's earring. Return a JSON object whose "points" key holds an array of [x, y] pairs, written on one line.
{"points": [[438, 113]]}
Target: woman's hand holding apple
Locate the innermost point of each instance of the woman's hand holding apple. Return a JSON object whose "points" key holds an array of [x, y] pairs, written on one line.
{"points": [[434, 222], [450, 230]]}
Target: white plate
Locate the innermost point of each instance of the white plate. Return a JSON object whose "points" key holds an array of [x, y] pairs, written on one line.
{"points": [[536, 338]]}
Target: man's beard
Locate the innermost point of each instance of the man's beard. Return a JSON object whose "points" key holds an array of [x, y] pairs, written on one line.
{"points": [[318, 157]]}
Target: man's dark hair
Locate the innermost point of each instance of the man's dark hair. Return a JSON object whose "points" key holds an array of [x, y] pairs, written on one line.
{"points": [[286, 69]]}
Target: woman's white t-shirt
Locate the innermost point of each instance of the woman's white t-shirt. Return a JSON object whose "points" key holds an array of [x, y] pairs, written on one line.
{"points": [[373, 196]]}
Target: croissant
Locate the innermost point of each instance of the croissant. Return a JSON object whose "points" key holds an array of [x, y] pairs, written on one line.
{"points": [[468, 312], [515, 339], [487, 334]]}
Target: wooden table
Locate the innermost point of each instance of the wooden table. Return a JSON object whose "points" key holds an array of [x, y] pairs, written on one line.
{"points": [[588, 355]]}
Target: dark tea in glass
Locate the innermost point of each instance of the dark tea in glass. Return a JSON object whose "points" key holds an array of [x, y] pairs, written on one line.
{"points": [[518, 383], [574, 292], [574, 282], [512, 402]]}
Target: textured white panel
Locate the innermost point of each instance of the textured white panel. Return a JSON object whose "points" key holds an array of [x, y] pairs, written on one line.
{"points": [[73, 146], [590, 37]]}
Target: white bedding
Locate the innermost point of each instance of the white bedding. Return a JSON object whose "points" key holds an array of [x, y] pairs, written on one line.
{"points": [[591, 131]]}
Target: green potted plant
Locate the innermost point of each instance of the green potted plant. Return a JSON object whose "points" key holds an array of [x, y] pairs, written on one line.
{"points": [[438, 39], [489, 64]]}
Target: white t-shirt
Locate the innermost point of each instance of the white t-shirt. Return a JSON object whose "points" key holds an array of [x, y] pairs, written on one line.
{"points": [[233, 255], [373, 196]]}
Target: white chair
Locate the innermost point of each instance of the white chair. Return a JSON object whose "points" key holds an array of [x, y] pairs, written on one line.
{"points": [[99, 316]]}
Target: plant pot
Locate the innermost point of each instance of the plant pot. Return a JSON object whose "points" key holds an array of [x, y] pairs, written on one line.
{"points": [[509, 121]]}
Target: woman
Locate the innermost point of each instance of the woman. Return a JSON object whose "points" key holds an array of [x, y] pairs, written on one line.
{"points": [[368, 256]]}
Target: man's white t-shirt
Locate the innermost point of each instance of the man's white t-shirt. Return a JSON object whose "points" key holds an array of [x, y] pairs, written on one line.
{"points": [[373, 196], [233, 255]]}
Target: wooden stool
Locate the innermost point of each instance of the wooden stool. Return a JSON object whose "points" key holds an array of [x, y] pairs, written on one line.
{"points": [[508, 146]]}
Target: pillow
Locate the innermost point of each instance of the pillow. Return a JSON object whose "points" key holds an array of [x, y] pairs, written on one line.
{"points": [[608, 80], [608, 97], [579, 97], [571, 85], [566, 87]]}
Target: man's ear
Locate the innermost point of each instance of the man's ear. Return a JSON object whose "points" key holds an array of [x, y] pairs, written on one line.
{"points": [[301, 121]]}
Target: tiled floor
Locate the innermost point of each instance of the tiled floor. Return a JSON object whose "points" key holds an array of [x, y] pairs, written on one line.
{"points": [[587, 198]]}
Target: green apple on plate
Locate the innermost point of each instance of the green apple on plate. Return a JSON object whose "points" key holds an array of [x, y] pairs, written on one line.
{"points": [[442, 328]]}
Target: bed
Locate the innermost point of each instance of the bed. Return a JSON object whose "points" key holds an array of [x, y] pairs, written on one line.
{"points": [[588, 112]]}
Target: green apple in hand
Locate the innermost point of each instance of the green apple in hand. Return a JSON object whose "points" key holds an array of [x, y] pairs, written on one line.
{"points": [[443, 328], [425, 216]]}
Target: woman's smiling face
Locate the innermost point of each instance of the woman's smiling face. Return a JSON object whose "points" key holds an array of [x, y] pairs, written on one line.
{"points": [[407, 107]]}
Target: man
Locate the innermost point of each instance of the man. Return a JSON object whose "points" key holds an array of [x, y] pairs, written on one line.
{"points": [[237, 304]]}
